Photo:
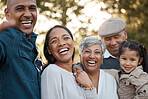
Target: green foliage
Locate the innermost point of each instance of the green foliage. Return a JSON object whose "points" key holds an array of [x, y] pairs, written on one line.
{"points": [[2, 5], [4, 2], [61, 11], [140, 37], [135, 13]]}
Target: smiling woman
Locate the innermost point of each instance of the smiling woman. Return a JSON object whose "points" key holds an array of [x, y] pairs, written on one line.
{"points": [[57, 80], [91, 51]]}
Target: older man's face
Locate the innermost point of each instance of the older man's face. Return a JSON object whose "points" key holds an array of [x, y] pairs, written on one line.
{"points": [[113, 42]]}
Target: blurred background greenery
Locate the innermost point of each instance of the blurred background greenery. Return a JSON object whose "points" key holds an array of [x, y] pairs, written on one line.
{"points": [[83, 18]]}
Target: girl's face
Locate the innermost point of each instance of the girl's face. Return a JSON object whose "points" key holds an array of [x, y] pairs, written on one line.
{"points": [[129, 60], [91, 58], [61, 45]]}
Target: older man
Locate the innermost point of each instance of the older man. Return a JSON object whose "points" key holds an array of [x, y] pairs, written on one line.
{"points": [[19, 57], [113, 32]]}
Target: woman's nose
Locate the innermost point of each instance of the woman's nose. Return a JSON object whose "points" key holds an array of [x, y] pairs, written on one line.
{"points": [[61, 42], [92, 55]]}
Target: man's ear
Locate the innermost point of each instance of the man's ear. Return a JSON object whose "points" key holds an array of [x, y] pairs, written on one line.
{"points": [[125, 33], [7, 14]]}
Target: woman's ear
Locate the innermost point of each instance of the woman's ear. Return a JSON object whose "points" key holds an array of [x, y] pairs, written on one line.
{"points": [[102, 59], [48, 50], [80, 58], [140, 61]]}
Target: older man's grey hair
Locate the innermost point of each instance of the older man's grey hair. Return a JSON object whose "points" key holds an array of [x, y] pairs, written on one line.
{"points": [[89, 41]]}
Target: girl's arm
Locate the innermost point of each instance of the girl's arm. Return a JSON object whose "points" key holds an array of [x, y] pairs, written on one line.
{"points": [[142, 90], [140, 81]]}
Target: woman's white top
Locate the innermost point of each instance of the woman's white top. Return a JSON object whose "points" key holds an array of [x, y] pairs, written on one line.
{"points": [[107, 87], [58, 83]]}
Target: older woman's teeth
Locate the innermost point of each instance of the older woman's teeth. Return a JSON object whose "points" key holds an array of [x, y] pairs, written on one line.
{"points": [[91, 63]]}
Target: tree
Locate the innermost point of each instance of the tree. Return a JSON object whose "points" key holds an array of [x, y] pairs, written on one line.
{"points": [[58, 9], [2, 5], [134, 13], [66, 13]]}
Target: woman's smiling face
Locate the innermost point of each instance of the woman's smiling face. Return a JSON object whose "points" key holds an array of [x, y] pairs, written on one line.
{"points": [[92, 58], [61, 45]]}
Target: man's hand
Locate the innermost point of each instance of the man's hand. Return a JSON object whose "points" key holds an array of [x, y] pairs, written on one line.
{"points": [[6, 24]]}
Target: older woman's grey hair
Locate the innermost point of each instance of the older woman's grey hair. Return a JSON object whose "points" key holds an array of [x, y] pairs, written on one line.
{"points": [[89, 41]]}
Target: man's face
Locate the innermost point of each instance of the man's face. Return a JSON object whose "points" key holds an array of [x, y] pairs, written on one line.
{"points": [[24, 13], [113, 42]]}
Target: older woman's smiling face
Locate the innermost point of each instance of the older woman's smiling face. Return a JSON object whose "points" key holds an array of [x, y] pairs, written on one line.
{"points": [[92, 58]]}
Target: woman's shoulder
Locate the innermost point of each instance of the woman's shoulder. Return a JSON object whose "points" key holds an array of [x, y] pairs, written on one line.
{"points": [[108, 80], [51, 69], [111, 72], [106, 74]]}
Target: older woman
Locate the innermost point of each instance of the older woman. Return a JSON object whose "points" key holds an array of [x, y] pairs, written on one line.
{"points": [[91, 51]]}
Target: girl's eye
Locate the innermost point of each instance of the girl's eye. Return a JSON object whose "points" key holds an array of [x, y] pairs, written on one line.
{"points": [[123, 58], [132, 59]]}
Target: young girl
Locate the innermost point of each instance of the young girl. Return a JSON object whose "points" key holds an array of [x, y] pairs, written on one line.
{"points": [[57, 80], [132, 78]]}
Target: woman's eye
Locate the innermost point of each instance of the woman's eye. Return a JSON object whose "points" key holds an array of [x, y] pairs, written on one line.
{"points": [[53, 42], [87, 51], [65, 38]]}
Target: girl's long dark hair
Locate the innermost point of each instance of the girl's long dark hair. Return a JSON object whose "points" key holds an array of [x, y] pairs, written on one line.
{"points": [[133, 45], [49, 57]]}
